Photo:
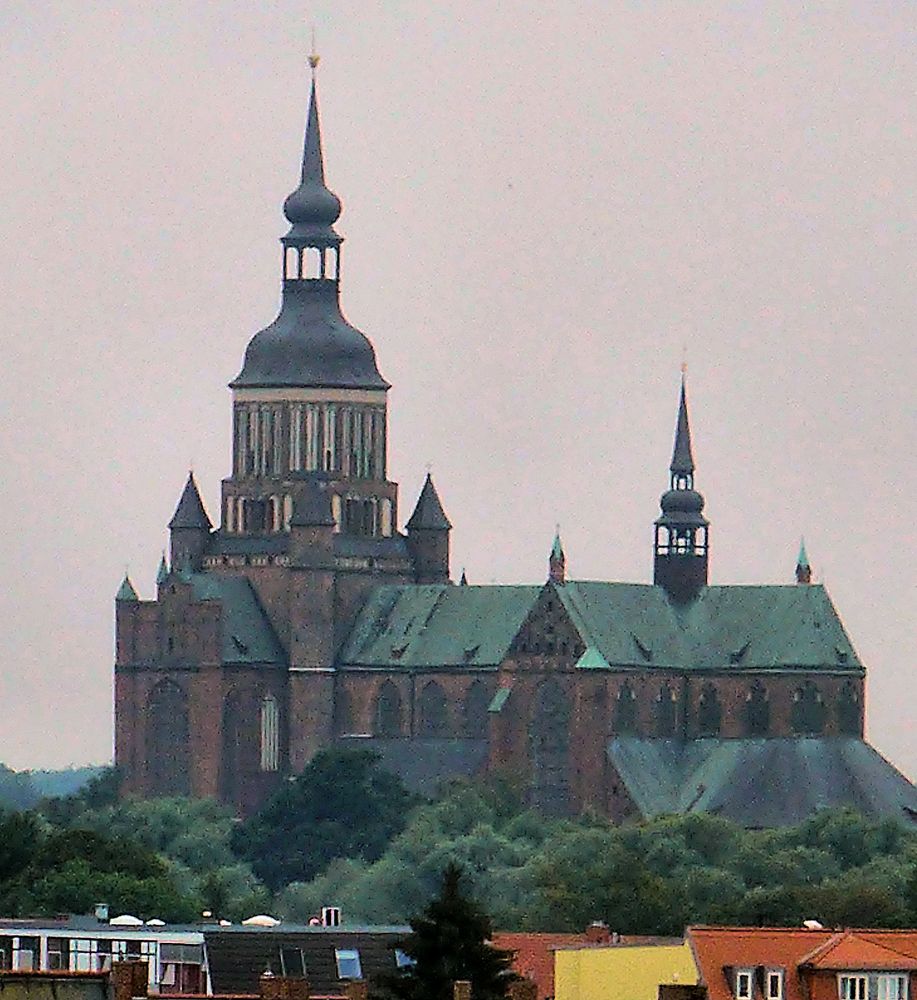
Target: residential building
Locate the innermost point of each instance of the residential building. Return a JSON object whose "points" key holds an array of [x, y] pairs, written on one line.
{"points": [[621, 971]]}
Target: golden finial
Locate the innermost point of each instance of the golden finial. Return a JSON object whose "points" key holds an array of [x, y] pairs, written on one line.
{"points": [[313, 55]]}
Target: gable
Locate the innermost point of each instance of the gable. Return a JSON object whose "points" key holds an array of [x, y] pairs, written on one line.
{"points": [[247, 635], [549, 629]]}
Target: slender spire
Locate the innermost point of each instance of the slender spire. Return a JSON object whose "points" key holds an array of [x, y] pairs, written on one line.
{"points": [[429, 514], [682, 458], [557, 561], [126, 591], [313, 208], [463, 581], [162, 574], [190, 511], [803, 569]]}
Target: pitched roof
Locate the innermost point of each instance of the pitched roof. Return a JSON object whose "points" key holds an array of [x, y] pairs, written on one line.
{"points": [[726, 627], [247, 635], [760, 782], [718, 949], [534, 955], [423, 765], [437, 625], [126, 591], [237, 959], [190, 511], [429, 514]]}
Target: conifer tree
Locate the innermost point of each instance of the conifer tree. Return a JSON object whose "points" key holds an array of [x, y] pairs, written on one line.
{"points": [[448, 943]]}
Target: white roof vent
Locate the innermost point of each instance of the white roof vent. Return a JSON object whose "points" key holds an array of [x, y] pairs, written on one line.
{"points": [[260, 920], [813, 925], [126, 920], [225, 923], [156, 922]]}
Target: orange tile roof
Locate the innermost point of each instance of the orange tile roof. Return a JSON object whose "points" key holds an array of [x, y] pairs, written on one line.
{"points": [[534, 955], [719, 949]]}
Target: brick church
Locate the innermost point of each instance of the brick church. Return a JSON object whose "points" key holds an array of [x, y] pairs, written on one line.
{"points": [[307, 617]]}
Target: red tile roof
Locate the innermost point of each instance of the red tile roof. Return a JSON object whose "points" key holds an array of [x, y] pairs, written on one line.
{"points": [[534, 955], [718, 950]]}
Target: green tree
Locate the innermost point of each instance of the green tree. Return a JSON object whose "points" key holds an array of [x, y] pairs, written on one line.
{"points": [[342, 805], [449, 942]]}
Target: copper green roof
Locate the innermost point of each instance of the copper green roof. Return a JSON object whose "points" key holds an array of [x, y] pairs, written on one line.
{"points": [[760, 782], [428, 514], [126, 591], [438, 625], [802, 560], [190, 511], [726, 627], [247, 636]]}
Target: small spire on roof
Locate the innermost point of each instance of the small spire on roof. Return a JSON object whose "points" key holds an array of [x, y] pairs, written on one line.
{"points": [[126, 591], [463, 580], [557, 561], [190, 511], [682, 457], [803, 569], [429, 514], [162, 574]]}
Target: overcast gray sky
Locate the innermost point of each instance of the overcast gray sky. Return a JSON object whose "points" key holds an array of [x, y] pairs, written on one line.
{"points": [[544, 205]]}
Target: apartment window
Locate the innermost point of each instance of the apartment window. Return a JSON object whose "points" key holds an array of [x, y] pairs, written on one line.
{"points": [[891, 987], [292, 962], [743, 984], [774, 985], [25, 954], [180, 968], [6, 952], [348, 961], [853, 988], [58, 954]]}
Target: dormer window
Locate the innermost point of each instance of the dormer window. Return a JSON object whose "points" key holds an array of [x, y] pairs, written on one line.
{"points": [[891, 987], [853, 988], [774, 984], [744, 980]]}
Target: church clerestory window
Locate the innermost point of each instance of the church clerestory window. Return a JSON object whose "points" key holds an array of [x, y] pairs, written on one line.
{"points": [[848, 710], [626, 710], [549, 741], [757, 711], [709, 712], [477, 700], [388, 711], [808, 715], [434, 715], [665, 711], [270, 734]]}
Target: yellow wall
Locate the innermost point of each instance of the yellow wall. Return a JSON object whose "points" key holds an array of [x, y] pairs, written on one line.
{"points": [[621, 972]]}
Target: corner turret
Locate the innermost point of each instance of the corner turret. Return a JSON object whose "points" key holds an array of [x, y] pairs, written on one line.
{"points": [[681, 547], [557, 561], [189, 529], [803, 569], [428, 537]]}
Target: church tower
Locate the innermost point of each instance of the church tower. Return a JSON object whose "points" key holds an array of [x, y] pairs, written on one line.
{"points": [[681, 546]]}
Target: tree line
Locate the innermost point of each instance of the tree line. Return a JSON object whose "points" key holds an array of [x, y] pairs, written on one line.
{"points": [[348, 833]]}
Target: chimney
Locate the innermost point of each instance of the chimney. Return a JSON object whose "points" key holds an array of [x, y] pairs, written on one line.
{"points": [[597, 933], [331, 916], [461, 990]]}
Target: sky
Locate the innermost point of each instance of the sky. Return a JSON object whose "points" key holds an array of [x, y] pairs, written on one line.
{"points": [[547, 208]]}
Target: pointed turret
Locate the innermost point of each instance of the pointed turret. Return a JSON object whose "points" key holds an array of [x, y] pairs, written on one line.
{"points": [[557, 561], [126, 591], [463, 580], [682, 457], [803, 569], [189, 529], [428, 536], [162, 574], [681, 548]]}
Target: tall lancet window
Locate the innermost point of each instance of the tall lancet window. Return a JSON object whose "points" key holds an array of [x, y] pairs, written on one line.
{"points": [[270, 733]]}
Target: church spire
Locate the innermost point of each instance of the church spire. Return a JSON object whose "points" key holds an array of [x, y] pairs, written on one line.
{"points": [[682, 466], [557, 561], [803, 569], [189, 529], [681, 548], [428, 537]]}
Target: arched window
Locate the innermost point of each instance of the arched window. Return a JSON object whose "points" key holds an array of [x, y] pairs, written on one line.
{"points": [[757, 710], [168, 732], [434, 716], [626, 711], [549, 740], [388, 711], [848, 710], [665, 711], [270, 733], [709, 712], [808, 716], [477, 700]]}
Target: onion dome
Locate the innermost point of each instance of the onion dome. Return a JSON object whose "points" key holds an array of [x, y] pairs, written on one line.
{"points": [[681, 502]]}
